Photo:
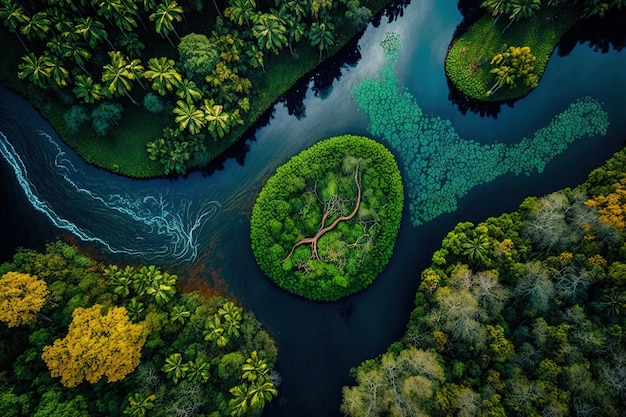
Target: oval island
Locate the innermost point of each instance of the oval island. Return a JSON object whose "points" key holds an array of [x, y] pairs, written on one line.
{"points": [[324, 225]]}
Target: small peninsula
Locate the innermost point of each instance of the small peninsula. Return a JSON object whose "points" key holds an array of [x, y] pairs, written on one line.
{"points": [[502, 56]]}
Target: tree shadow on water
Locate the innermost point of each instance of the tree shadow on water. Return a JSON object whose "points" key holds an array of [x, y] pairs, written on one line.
{"points": [[323, 77], [465, 104], [239, 149], [602, 33], [392, 12]]}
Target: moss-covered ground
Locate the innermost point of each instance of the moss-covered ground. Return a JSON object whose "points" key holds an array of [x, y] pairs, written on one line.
{"points": [[468, 60], [123, 150]]}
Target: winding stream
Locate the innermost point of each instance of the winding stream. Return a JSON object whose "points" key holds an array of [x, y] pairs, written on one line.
{"points": [[201, 223]]}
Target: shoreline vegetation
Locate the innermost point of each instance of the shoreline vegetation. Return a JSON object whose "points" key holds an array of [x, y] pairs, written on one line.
{"points": [[121, 147], [481, 63]]}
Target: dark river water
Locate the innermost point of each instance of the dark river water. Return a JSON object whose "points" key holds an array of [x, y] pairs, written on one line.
{"points": [[201, 222]]}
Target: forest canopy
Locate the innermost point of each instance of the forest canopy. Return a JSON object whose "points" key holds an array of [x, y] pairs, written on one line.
{"points": [[325, 224], [109, 340], [522, 314]]}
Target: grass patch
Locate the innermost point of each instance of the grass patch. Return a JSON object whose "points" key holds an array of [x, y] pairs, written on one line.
{"points": [[468, 60]]}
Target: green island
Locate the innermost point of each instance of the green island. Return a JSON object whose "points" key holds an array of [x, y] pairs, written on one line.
{"points": [[150, 88], [522, 314], [81, 337], [324, 225], [502, 56]]}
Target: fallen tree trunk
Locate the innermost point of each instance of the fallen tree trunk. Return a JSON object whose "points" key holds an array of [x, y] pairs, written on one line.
{"points": [[313, 240]]}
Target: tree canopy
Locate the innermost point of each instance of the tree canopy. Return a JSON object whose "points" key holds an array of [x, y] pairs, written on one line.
{"points": [[521, 314], [121, 340], [97, 344], [21, 297]]}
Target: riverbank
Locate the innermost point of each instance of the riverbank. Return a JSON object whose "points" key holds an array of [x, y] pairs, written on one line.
{"points": [[467, 63], [123, 150]]}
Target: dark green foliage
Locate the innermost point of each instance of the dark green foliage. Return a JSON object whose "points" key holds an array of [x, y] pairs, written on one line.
{"points": [[75, 117], [176, 324], [310, 192], [525, 312], [65, 47], [104, 115]]}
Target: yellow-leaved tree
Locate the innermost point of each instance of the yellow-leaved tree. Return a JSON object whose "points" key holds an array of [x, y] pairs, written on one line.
{"points": [[21, 297], [99, 343], [612, 207]]}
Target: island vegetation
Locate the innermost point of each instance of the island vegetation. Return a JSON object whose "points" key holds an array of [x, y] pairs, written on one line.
{"points": [[324, 226], [502, 55], [147, 88], [78, 337], [522, 314]]}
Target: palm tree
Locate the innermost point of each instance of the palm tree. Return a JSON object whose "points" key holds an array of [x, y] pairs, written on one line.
{"points": [[241, 11], [189, 91], [477, 249], [77, 51], [139, 405], [163, 74], [522, 9], [613, 301], [255, 57], [37, 69], [321, 34], [299, 8], [121, 284], [13, 15], [215, 331], [239, 403], [93, 31], [296, 31], [58, 73], [505, 75], [174, 367], [497, 8], [179, 314], [117, 77], [125, 22], [148, 276], [198, 371], [254, 368], [218, 120], [232, 316], [164, 17], [131, 44], [163, 288], [86, 89], [38, 26], [270, 32], [260, 392], [189, 117], [136, 67], [135, 309]]}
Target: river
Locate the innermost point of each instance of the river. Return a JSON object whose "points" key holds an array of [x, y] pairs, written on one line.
{"points": [[201, 222]]}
